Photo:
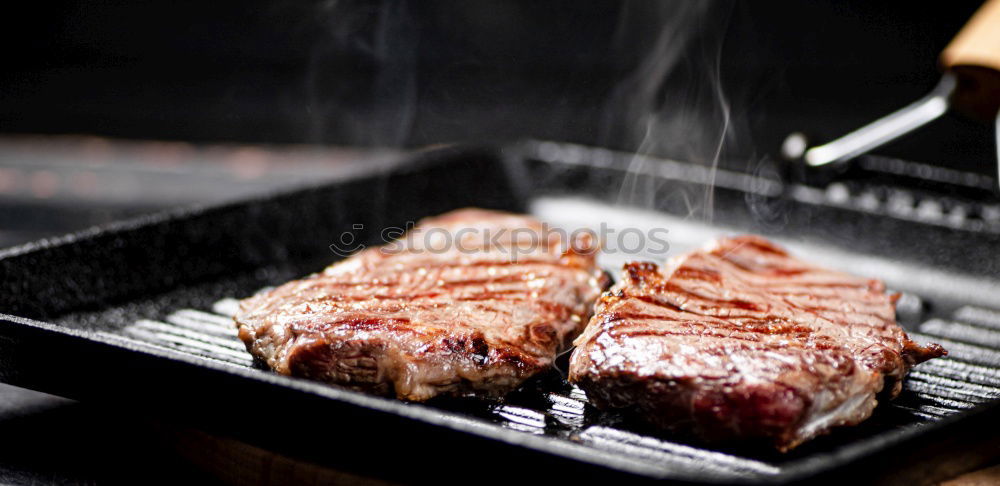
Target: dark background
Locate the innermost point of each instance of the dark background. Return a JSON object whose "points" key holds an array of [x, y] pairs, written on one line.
{"points": [[402, 73]]}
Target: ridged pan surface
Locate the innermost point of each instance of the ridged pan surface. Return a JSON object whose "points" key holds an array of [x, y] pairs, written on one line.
{"points": [[190, 315]]}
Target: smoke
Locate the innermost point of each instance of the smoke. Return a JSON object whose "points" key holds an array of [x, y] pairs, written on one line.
{"points": [[362, 76], [672, 104], [670, 100]]}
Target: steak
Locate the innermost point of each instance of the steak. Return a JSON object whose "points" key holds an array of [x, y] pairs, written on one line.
{"points": [[472, 302], [740, 341]]}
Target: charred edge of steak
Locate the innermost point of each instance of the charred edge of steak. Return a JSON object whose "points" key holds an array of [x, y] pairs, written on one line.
{"points": [[734, 409], [760, 414], [415, 323], [376, 366]]}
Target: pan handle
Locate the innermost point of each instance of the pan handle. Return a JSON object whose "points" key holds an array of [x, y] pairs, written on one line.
{"points": [[974, 56]]}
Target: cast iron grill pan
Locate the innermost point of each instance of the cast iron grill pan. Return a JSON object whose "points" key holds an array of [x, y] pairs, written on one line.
{"points": [[139, 317]]}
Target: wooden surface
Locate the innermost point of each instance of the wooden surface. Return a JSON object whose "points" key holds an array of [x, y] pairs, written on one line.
{"points": [[983, 477], [236, 463]]}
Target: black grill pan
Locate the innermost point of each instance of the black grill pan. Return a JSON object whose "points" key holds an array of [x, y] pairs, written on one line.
{"points": [[135, 317]]}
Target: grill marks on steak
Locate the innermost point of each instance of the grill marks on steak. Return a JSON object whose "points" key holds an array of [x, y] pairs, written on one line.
{"points": [[474, 303], [742, 341]]}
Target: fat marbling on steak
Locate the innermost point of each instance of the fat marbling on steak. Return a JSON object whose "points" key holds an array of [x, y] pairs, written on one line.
{"points": [[739, 340], [472, 302]]}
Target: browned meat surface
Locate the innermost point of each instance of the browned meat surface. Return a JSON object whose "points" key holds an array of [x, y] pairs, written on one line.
{"points": [[421, 317], [742, 341]]}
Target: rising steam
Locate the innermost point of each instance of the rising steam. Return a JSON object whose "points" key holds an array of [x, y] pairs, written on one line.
{"points": [[672, 104], [362, 76]]}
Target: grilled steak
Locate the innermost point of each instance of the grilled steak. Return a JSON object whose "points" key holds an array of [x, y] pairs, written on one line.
{"points": [[472, 302], [742, 341]]}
